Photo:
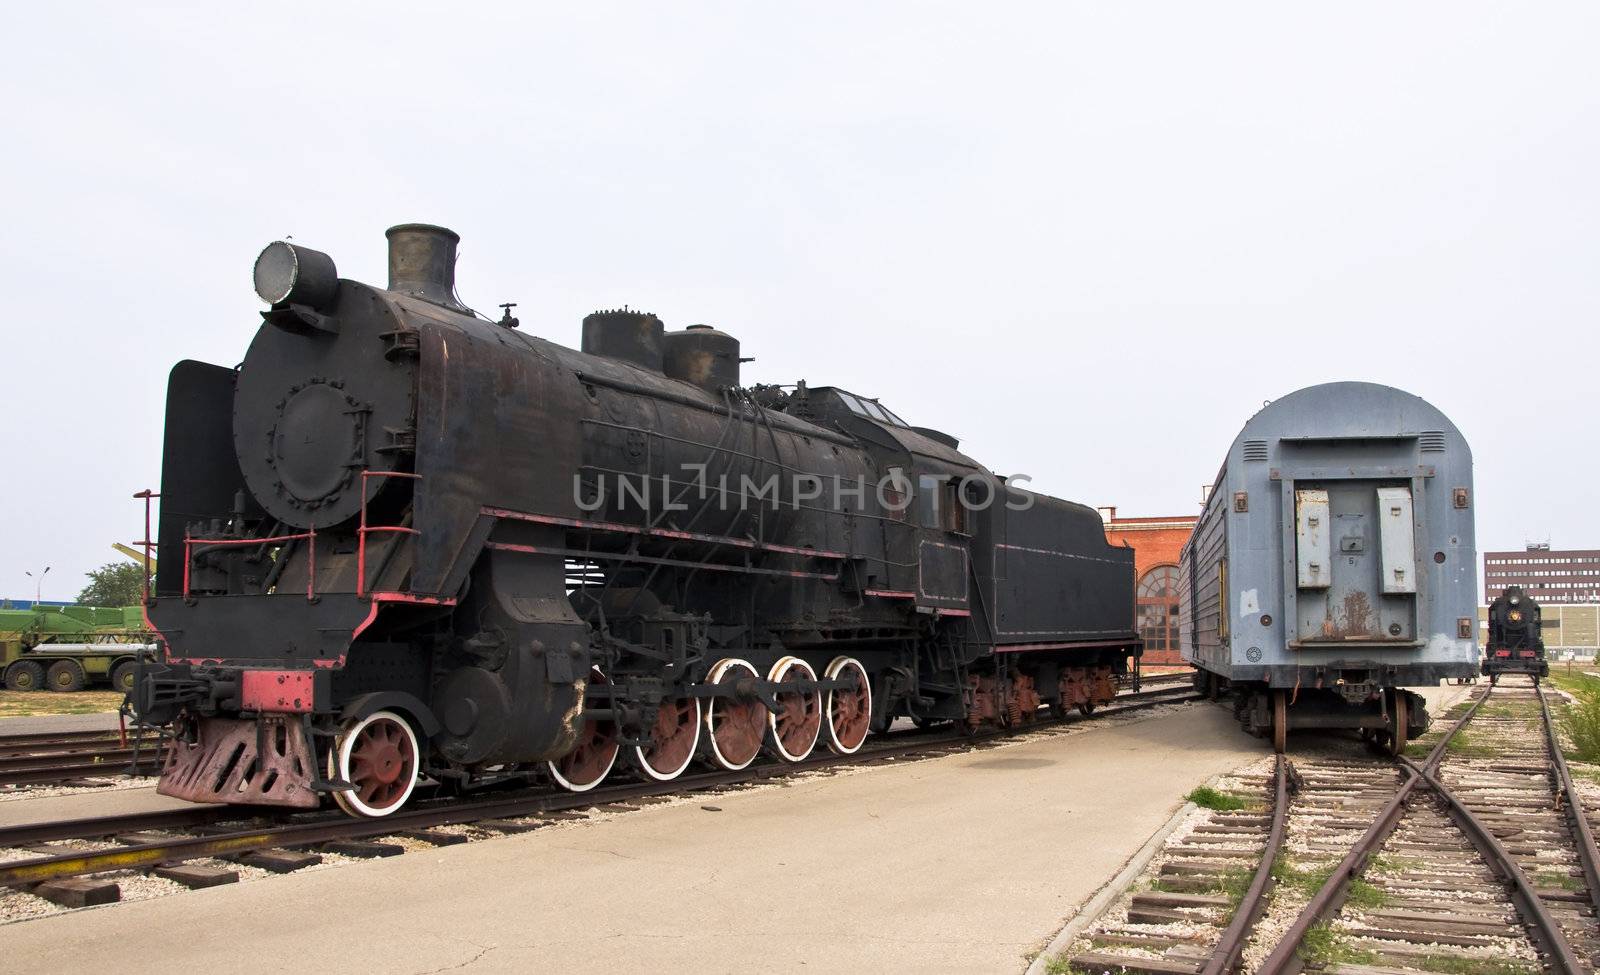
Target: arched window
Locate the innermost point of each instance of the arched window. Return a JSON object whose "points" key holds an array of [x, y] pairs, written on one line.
{"points": [[1158, 608]]}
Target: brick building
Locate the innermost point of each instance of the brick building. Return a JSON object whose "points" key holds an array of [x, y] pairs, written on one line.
{"points": [[1156, 543], [1549, 576]]}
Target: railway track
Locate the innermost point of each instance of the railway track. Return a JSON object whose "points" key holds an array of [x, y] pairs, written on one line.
{"points": [[65, 758], [195, 846], [1475, 859], [57, 758]]}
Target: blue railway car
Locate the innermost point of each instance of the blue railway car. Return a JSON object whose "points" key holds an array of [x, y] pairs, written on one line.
{"points": [[1333, 565]]}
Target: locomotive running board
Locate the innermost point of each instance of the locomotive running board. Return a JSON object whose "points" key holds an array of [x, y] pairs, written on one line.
{"points": [[266, 762]]}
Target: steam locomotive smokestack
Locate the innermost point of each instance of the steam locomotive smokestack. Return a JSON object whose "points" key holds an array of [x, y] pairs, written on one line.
{"points": [[422, 263]]}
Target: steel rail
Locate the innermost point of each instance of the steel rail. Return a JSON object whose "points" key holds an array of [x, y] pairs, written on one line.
{"points": [[1225, 956], [329, 829], [26, 743], [60, 772], [1582, 834], [1548, 933], [1285, 957]]}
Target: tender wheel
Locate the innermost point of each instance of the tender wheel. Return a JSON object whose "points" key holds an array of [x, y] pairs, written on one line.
{"points": [[1398, 721], [849, 709], [65, 675], [794, 727], [25, 675], [1280, 722], [734, 725], [379, 756], [122, 677], [591, 759], [673, 737]]}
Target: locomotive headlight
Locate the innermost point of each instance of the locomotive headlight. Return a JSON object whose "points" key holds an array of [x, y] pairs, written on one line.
{"points": [[1515, 600], [288, 274]]}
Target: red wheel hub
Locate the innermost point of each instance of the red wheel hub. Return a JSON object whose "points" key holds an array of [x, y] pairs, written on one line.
{"points": [[737, 724], [850, 710], [673, 736], [382, 764]]}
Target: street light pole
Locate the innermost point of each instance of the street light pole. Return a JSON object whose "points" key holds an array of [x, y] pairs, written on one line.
{"points": [[38, 584]]}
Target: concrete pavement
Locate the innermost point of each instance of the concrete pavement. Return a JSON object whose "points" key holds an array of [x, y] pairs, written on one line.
{"points": [[958, 864]]}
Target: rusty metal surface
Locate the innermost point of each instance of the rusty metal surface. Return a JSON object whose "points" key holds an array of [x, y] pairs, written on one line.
{"points": [[1325, 903], [234, 761], [1582, 833], [1225, 956]]}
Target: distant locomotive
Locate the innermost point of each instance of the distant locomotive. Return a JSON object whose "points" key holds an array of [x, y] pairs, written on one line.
{"points": [[1333, 565], [403, 541], [1516, 642]]}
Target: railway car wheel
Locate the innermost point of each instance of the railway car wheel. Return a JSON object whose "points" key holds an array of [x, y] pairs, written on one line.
{"points": [[122, 677], [25, 675], [735, 726], [793, 728], [673, 740], [1280, 722], [1398, 722], [1086, 708], [849, 709], [591, 759], [379, 755], [65, 675]]}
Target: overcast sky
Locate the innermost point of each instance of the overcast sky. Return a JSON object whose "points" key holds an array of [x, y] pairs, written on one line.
{"points": [[1090, 240]]}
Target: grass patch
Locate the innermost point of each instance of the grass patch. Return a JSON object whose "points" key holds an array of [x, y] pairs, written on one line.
{"points": [[1324, 946], [1389, 863], [1580, 722], [1457, 965], [1060, 965], [1463, 746], [1361, 895], [1552, 878], [1209, 798], [22, 704]]}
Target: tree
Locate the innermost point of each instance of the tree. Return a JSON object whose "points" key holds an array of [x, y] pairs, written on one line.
{"points": [[114, 584]]}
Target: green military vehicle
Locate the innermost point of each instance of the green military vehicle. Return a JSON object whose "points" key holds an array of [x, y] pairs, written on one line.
{"points": [[66, 648]]}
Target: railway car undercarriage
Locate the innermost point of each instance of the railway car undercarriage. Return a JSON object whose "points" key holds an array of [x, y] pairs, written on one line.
{"points": [[1386, 716]]}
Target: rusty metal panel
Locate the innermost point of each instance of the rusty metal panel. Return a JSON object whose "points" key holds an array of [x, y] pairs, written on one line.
{"points": [[267, 762], [277, 690], [1314, 566], [1397, 541]]}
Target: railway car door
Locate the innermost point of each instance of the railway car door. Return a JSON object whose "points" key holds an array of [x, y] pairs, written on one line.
{"points": [[1355, 563]]}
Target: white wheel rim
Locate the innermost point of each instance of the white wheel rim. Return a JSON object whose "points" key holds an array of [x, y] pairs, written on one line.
{"points": [[718, 671], [565, 783], [659, 776], [839, 666], [349, 801], [779, 669]]}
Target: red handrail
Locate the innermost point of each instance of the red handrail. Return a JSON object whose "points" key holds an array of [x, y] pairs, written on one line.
{"points": [[311, 534], [364, 529], [147, 543]]}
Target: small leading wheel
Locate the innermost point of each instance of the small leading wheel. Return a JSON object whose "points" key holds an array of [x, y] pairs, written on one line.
{"points": [[1398, 722], [25, 675], [794, 727], [65, 675], [591, 759], [378, 755], [122, 677], [849, 708], [673, 739], [734, 725], [1280, 722], [1086, 708]]}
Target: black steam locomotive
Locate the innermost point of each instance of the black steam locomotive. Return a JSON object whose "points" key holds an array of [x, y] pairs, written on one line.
{"points": [[1515, 645], [402, 540]]}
